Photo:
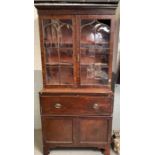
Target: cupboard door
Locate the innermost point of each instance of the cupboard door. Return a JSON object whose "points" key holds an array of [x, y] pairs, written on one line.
{"points": [[58, 50], [94, 130], [95, 52], [57, 130]]}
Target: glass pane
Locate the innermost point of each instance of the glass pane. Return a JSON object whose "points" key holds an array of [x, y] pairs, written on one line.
{"points": [[66, 56], [52, 76], [52, 55], [66, 75], [58, 45], [94, 51], [94, 74], [65, 33]]}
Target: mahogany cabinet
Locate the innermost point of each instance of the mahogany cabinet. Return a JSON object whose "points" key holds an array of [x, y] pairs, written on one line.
{"points": [[77, 44]]}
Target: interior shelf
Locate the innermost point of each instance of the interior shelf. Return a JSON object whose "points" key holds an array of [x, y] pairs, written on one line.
{"points": [[104, 65], [57, 45], [103, 46], [97, 58], [62, 60], [56, 64], [107, 42], [94, 48], [68, 48], [85, 81], [94, 51]]}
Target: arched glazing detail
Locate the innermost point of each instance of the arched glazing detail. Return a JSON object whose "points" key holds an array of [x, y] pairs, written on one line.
{"points": [[94, 51], [58, 46], [57, 33]]}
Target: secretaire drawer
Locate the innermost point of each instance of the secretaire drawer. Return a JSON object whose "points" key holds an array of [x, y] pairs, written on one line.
{"points": [[69, 105]]}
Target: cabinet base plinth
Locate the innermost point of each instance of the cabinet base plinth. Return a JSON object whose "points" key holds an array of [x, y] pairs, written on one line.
{"points": [[105, 150]]}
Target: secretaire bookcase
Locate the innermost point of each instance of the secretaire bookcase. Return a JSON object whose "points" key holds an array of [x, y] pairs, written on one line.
{"points": [[77, 44]]}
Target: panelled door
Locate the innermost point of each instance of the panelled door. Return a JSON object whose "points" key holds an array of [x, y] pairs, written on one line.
{"points": [[94, 130], [76, 130]]}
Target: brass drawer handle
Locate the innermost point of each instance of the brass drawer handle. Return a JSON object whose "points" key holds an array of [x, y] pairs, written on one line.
{"points": [[96, 106], [57, 105]]}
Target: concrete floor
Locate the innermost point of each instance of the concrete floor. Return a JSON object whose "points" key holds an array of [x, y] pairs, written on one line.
{"points": [[38, 148]]}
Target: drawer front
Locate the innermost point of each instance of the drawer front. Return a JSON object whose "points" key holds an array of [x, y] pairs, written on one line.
{"points": [[68, 105]]}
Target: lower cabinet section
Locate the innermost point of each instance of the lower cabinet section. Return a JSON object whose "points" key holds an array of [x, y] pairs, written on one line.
{"points": [[76, 131]]}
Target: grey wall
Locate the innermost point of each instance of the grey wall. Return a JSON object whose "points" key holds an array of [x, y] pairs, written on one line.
{"points": [[116, 110], [37, 87]]}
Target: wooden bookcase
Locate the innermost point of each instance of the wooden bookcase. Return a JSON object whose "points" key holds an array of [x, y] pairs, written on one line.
{"points": [[76, 102]]}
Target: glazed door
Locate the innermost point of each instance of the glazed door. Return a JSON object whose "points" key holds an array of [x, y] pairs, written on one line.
{"points": [[58, 51], [95, 50]]}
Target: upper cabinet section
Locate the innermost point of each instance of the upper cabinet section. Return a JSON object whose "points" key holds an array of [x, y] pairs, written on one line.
{"points": [[77, 42], [76, 50]]}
